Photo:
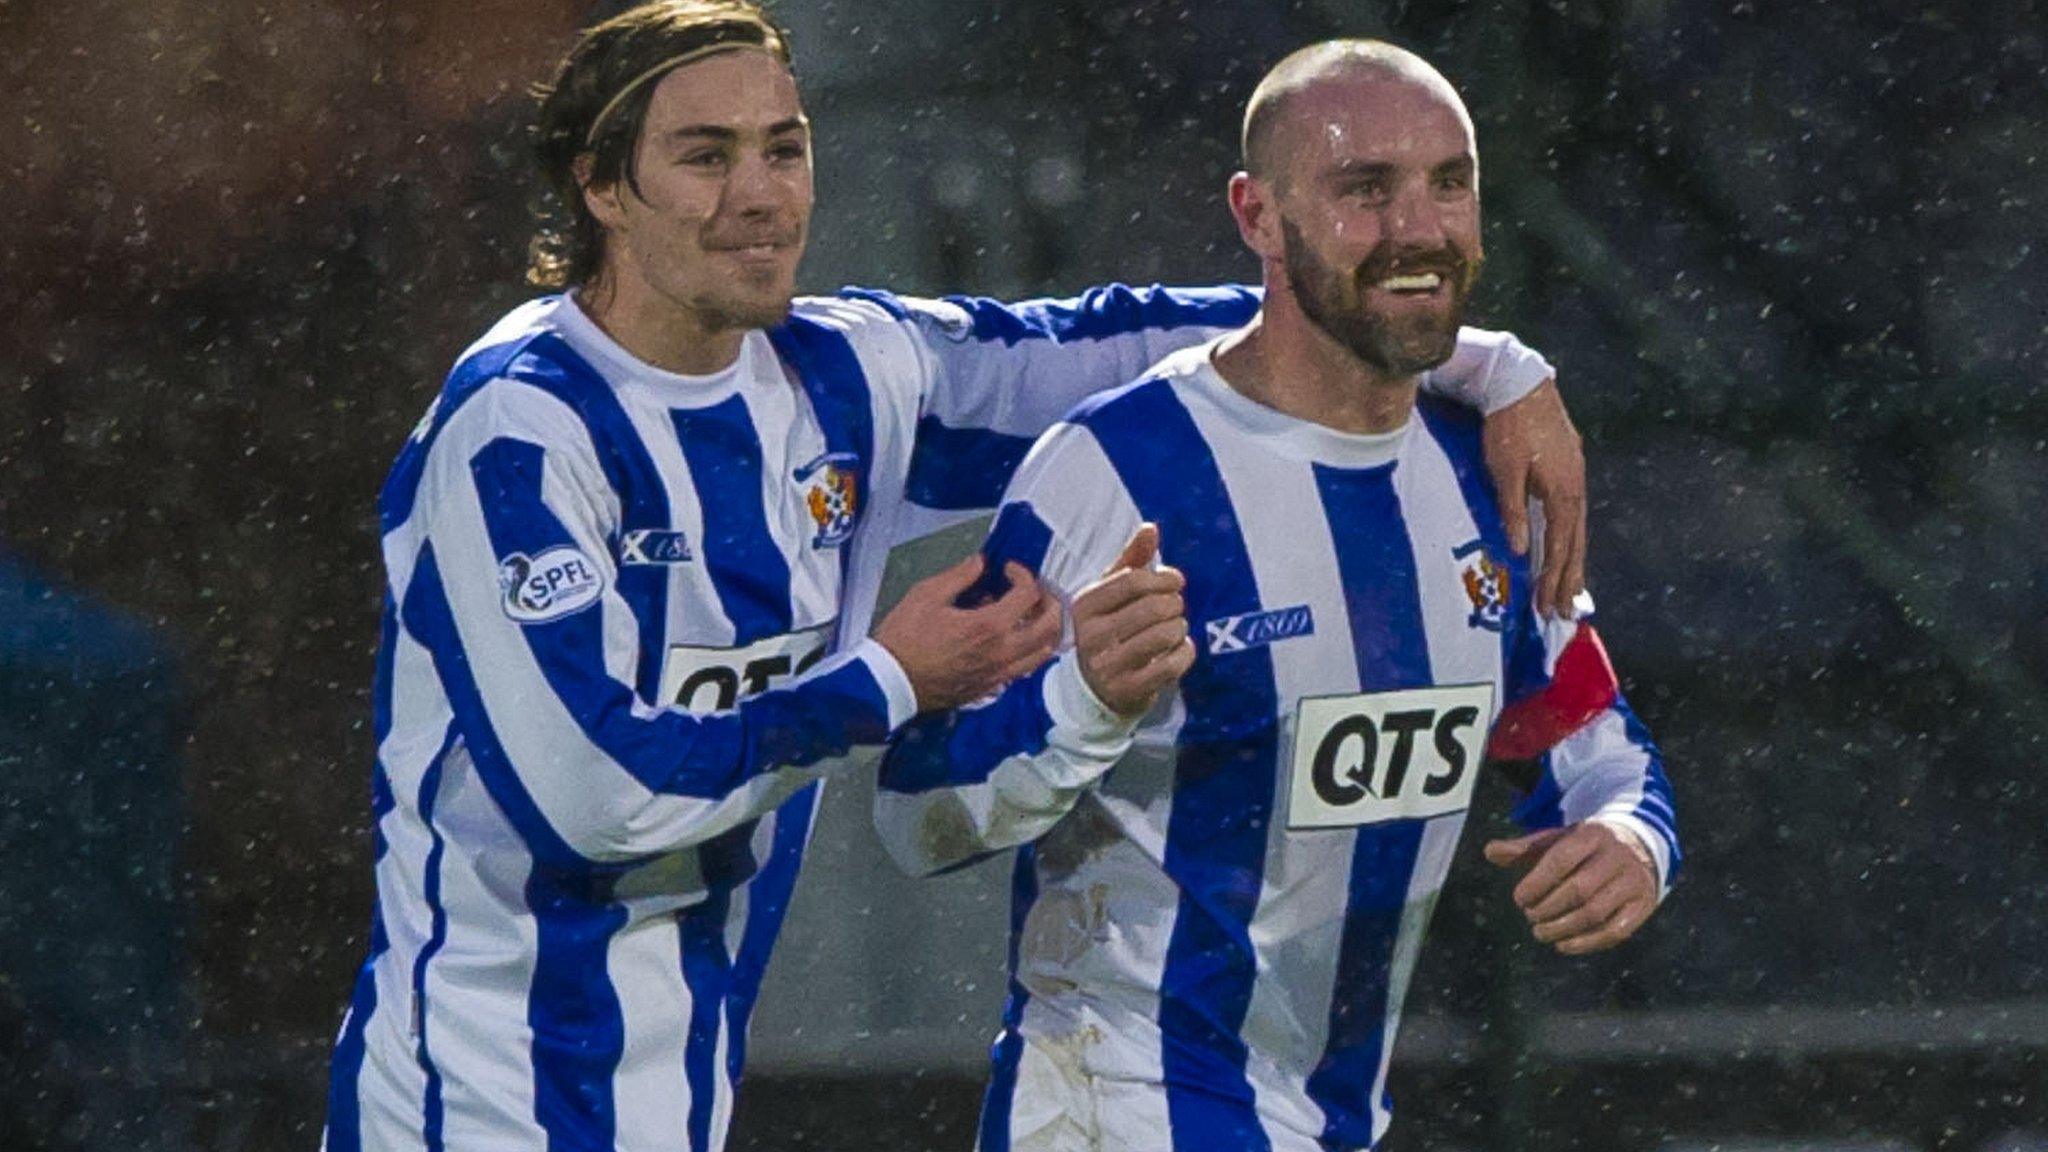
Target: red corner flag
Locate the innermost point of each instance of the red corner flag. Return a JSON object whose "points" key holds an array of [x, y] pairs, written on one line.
{"points": [[1581, 687]]}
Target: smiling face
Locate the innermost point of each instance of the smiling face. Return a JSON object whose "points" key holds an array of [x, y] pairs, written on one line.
{"points": [[1364, 198], [712, 215]]}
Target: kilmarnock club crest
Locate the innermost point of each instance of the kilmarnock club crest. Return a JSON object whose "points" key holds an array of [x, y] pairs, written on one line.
{"points": [[1486, 586], [832, 493]]}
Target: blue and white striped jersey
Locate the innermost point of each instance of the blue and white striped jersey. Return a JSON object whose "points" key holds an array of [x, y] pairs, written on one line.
{"points": [[1228, 900], [625, 633]]}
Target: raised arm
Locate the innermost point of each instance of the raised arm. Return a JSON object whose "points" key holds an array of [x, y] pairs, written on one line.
{"points": [[997, 375]]}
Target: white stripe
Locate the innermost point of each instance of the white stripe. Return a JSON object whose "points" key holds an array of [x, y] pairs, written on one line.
{"points": [[1438, 522], [1425, 883], [478, 983], [651, 1088], [392, 1086], [1299, 924]]}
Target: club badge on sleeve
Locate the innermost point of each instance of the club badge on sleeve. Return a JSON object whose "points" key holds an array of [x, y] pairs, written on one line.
{"points": [[832, 494], [550, 585]]}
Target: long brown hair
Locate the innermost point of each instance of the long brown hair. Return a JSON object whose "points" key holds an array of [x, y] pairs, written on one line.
{"points": [[597, 101]]}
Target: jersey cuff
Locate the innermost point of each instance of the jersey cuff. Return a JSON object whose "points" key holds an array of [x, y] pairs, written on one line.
{"points": [[1660, 852], [1082, 725], [890, 678]]}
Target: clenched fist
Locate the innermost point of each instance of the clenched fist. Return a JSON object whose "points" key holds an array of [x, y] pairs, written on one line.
{"points": [[1131, 629]]}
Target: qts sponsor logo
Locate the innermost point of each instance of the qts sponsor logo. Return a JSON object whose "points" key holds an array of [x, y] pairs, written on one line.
{"points": [[714, 679], [1380, 756]]}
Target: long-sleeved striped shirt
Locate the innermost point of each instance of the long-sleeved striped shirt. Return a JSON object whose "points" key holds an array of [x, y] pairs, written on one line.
{"points": [[1227, 899], [625, 634]]}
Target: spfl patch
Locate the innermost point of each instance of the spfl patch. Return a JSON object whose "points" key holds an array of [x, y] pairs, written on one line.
{"points": [[548, 586]]}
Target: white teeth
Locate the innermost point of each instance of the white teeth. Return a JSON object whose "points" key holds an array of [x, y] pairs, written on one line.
{"points": [[1425, 282]]}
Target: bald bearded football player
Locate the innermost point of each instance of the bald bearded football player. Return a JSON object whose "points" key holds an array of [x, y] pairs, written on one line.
{"points": [[1231, 841]]}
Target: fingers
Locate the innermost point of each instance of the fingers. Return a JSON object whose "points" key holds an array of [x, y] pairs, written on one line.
{"points": [[1522, 851], [1559, 860], [1137, 651], [1575, 574], [1563, 553], [1576, 890], [1619, 927], [1140, 551], [1511, 483], [944, 585], [1589, 891], [1111, 593], [1096, 630], [1599, 907]]}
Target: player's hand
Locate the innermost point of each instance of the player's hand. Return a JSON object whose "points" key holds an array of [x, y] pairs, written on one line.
{"points": [[1131, 628], [1588, 888], [1532, 449], [955, 656]]}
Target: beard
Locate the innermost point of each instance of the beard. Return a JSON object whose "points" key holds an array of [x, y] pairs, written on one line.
{"points": [[1338, 303]]}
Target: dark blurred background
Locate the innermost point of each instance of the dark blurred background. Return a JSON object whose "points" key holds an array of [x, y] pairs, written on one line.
{"points": [[1789, 258]]}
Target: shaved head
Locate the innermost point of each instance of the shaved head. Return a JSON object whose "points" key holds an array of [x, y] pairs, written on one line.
{"points": [[1265, 117], [1360, 191]]}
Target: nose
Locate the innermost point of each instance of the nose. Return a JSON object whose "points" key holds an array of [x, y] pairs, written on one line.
{"points": [[751, 188], [1415, 220]]}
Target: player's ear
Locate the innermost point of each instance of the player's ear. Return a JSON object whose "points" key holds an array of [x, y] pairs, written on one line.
{"points": [[602, 200], [1258, 218]]}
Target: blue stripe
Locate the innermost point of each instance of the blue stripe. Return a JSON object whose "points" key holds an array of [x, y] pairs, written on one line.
{"points": [[1376, 567], [829, 371], [430, 794], [671, 752], [344, 1123], [1223, 778], [707, 972], [745, 563], [1657, 807], [1457, 431], [955, 469], [1543, 807], [401, 488], [344, 1120], [578, 1029], [767, 902], [960, 748], [1018, 535], [1008, 1051], [1107, 311]]}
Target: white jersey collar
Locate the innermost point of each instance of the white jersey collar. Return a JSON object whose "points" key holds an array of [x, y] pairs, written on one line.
{"points": [[1288, 435]]}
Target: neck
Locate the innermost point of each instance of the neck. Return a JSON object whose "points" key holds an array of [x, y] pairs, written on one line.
{"points": [[1285, 362], [656, 329]]}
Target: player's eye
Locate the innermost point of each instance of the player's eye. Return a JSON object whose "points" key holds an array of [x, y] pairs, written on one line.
{"points": [[1454, 182], [1372, 191], [703, 158], [788, 151]]}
